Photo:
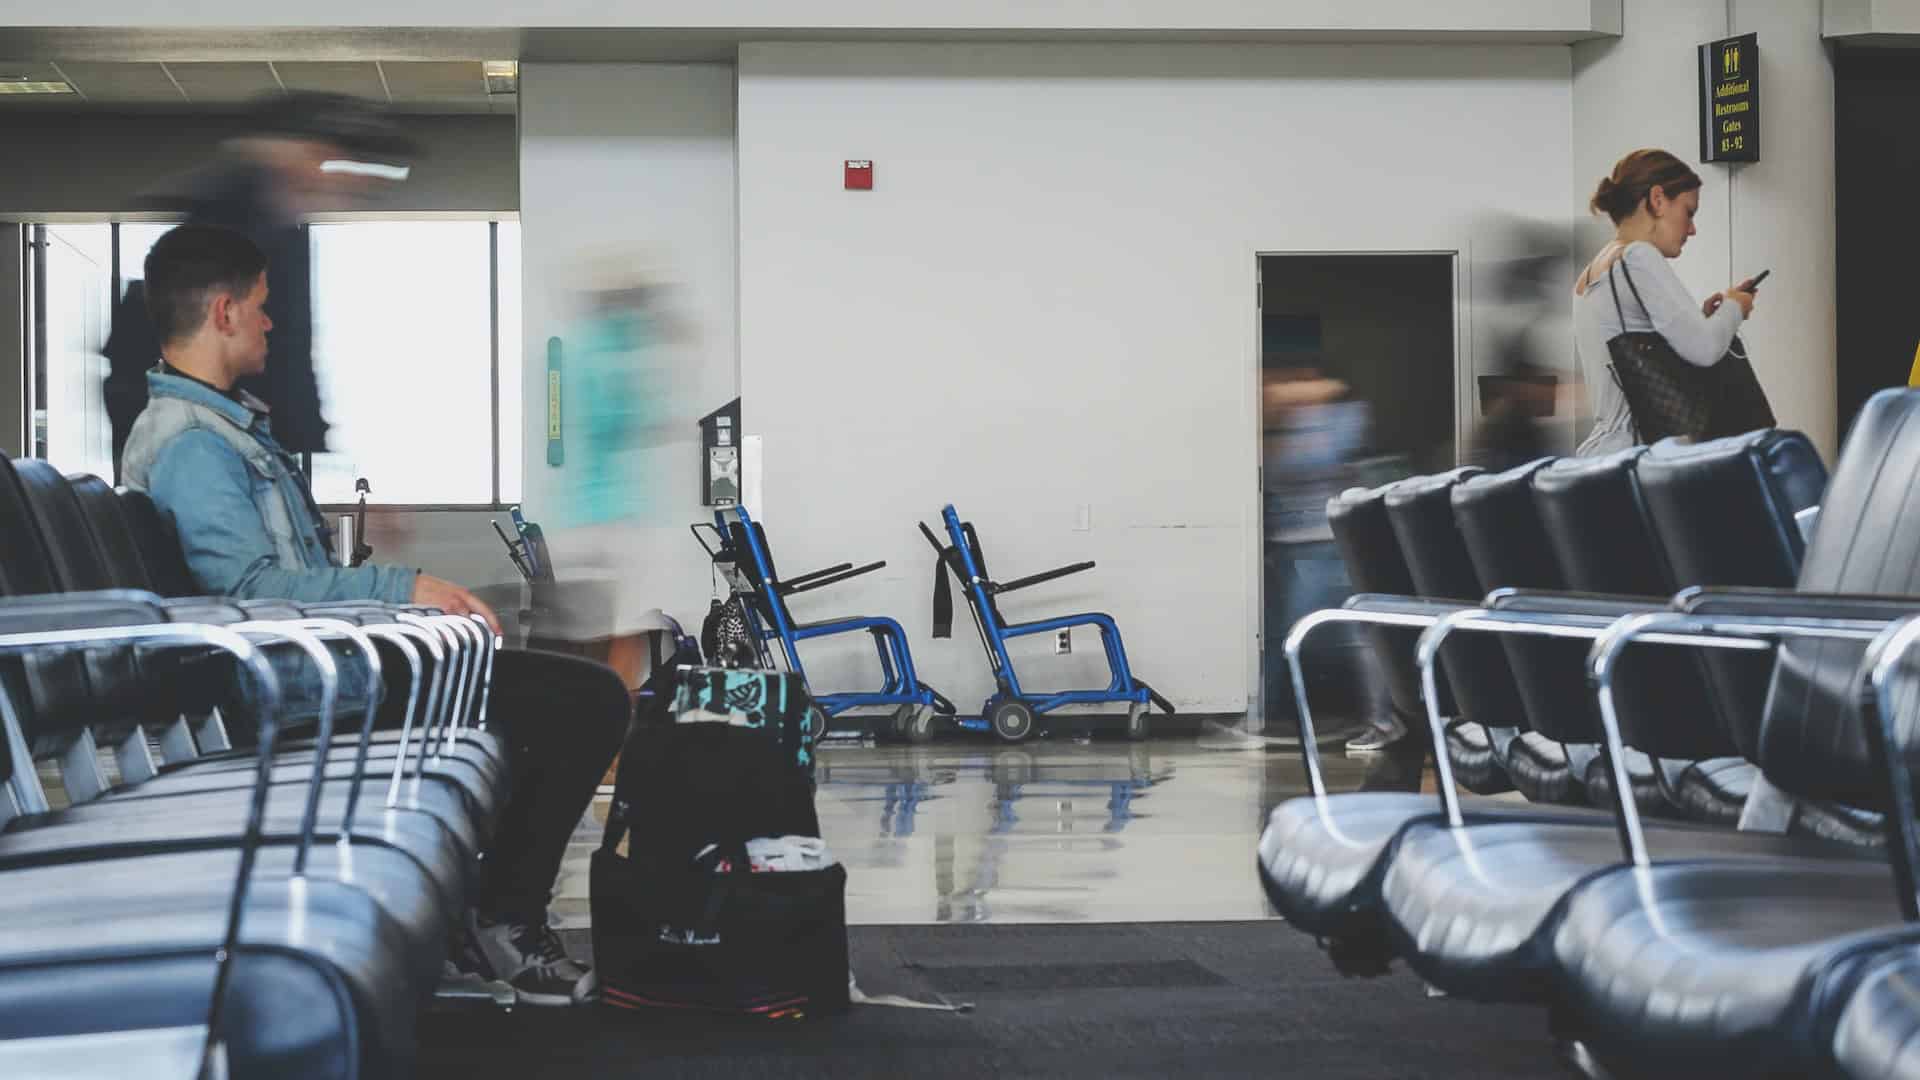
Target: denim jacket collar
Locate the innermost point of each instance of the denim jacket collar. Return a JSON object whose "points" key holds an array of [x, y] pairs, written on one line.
{"points": [[247, 413]]}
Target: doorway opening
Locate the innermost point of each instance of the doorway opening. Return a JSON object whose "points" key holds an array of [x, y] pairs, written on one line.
{"points": [[1359, 387], [1875, 91]]}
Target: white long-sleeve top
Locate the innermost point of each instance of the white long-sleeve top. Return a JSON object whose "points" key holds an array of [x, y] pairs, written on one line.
{"points": [[1670, 311]]}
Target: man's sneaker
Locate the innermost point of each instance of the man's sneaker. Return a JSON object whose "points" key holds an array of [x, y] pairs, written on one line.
{"points": [[1374, 740], [530, 958]]}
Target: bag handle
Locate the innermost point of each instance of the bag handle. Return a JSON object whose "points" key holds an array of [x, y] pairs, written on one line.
{"points": [[1621, 264]]}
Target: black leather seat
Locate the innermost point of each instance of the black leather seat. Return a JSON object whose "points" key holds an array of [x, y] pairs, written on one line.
{"points": [[1501, 531], [1364, 535], [1725, 514], [1743, 969], [426, 873], [119, 562], [1878, 1035], [157, 545], [166, 572], [1475, 910], [320, 988], [1590, 509], [325, 975], [80, 564], [417, 860], [1421, 513], [1322, 861]]}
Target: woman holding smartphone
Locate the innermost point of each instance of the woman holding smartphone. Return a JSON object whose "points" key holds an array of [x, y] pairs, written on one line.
{"points": [[1651, 197]]}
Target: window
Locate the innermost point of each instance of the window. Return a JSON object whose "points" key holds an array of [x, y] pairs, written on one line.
{"points": [[72, 267], [405, 321], [416, 349]]}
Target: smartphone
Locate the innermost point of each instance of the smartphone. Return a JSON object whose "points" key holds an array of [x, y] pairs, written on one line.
{"points": [[1753, 283]]}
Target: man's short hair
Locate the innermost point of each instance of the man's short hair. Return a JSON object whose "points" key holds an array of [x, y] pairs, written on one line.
{"points": [[188, 267]]}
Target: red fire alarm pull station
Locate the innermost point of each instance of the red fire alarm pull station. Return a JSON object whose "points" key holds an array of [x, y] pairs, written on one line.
{"points": [[859, 176]]}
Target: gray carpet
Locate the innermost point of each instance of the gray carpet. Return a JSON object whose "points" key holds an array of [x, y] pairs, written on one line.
{"points": [[1192, 999]]}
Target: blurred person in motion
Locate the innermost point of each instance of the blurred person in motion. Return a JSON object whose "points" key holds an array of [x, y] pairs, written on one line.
{"points": [[1525, 262], [1651, 197], [1512, 429], [618, 394], [304, 153], [625, 408], [1314, 434]]}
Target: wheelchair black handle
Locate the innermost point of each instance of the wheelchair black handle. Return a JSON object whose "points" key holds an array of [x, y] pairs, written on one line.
{"points": [[837, 578], [1037, 579], [938, 547], [803, 579], [711, 550]]}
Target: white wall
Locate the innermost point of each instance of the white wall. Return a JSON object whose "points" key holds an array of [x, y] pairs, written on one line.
{"points": [[633, 163], [1643, 90], [1049, 302]]}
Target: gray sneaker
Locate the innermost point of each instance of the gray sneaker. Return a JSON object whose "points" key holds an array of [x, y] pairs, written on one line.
{"points": [[531, 959], [1374, 740]]}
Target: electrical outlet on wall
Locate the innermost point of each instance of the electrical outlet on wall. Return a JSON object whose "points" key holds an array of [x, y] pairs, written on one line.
{"points": [[1062, 642]]}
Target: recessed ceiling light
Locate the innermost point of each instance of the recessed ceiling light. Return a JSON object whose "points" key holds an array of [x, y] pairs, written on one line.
{"points": [[20, 84], [503, 76]]}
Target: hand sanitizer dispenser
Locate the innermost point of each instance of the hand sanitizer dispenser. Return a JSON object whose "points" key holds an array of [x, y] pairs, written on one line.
{"points": [[720, 456]]}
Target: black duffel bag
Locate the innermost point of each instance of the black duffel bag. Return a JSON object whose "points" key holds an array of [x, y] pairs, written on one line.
{"points": [[680, 920]]}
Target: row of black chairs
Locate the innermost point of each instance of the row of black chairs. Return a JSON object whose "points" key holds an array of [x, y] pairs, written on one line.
{"points": [[1710, 642], [239, 872]]}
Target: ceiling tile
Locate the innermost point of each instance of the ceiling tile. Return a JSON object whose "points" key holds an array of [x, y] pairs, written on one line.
{"points": [[458, 80], [417, 87], [123, 84], [359, 78], [39, 71], [224, 82]]}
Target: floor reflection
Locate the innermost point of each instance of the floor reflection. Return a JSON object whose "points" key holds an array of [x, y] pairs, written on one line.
{"points": [[1050, 831]]}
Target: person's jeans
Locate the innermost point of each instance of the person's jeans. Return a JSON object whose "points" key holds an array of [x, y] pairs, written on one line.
{"points": [[1301, 579], [560, 720]]}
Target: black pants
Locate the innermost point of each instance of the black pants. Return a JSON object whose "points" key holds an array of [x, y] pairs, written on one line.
{"points": [[560, 720]]}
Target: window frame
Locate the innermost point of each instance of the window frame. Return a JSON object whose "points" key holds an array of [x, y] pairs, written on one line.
{"points": [[493, 221]]}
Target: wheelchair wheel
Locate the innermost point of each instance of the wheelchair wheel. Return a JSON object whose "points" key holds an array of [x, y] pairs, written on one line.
{"points": [[913, 723], [1137, 728], [1012, 720]]}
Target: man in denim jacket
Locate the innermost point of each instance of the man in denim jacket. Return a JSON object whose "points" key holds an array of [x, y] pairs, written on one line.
{"points": [[204, 451], [249, 527]]}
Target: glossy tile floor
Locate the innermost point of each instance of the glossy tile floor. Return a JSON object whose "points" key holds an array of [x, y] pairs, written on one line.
{"points": [[1053, 831]]}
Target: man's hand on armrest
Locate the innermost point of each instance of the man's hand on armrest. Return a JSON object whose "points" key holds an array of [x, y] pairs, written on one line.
{"points": [[430, 591]]}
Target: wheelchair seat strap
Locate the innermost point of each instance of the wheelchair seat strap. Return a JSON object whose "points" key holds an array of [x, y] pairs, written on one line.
{"points": [[942, 599]]}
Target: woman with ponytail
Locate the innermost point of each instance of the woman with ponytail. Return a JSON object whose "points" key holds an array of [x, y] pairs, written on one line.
{"points": [[1651, 197]]}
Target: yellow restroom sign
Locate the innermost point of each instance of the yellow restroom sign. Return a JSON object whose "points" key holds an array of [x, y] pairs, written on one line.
{"points": [[1730, 99]]}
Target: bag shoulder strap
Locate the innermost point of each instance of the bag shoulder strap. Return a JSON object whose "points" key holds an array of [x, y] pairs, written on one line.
{"points": [[1631, 287], [1614, 286]]}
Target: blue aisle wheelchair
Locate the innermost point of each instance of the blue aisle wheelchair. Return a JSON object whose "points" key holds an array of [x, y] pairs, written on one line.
{"points": [[741, 554], [1012, 713]]}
